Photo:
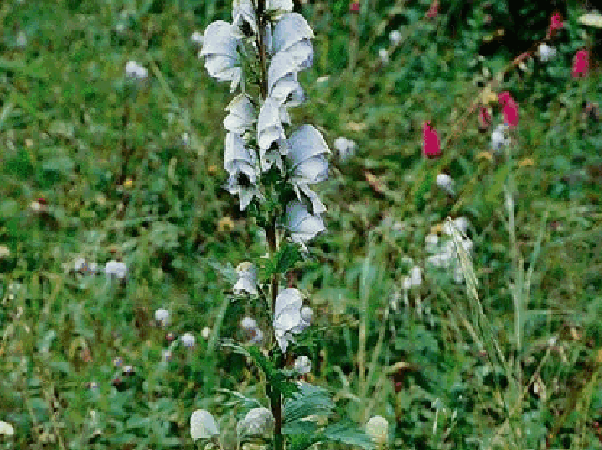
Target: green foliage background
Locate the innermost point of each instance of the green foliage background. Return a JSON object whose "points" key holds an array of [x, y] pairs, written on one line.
{"points": [[120, 181]]}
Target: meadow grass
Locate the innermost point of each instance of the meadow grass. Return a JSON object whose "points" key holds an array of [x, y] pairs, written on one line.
{"points": [[508, 358]]}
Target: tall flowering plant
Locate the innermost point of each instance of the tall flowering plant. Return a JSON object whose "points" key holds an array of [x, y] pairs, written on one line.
{"points": [[272, 169]]}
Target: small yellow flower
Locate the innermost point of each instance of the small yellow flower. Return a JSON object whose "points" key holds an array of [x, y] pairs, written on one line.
{"points": [[128, 183], [225, 224], [527, 162], [212, 169]]}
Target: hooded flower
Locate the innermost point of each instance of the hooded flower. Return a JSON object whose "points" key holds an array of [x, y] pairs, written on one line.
{"points": [[220, 49], [288, 320], [244, 12], [270, 134], [203, 425], [247, 279], [240, 162], [307, 154], [446, 183], [430, 138], [302, 225], [241, 115]]}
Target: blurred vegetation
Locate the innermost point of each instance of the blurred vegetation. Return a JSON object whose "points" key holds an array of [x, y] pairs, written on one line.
{"points": [[131, 171]]}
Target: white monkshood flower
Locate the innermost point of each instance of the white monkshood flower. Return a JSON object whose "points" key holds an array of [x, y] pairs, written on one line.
{"points": [[378, 429], [546, 53], [248, 323], [197, 38], [162, 316], [257, 422], [287, 317], [188, 340], [302, 225], [220, 49], [135, 70], [346, 148], [166, 355], [240, 163], [446, 183], [203, 425], [295, 58], [442, 260], [247, 279], [289, 30], [288, 92], [307, 152], [244, 12], [117, 269], [395, 37], [6, 429], [499, 138], [270, 134], [242, 115], [303, 365], [383, 54]]}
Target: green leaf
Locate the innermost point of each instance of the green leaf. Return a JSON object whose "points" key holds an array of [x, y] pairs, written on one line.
{"points": [[287, 257], [348, 433], [309, 400]]}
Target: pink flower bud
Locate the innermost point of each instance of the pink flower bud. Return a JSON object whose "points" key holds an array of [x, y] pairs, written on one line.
{"points": [[510, 110], [555, 25], [431, 143], [581, 64]]}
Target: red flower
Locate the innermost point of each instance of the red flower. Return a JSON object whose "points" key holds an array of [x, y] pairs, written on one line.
{"points": [[581, 64], [510, 110], [431, 144], [354, 7], [433, 10], [555, 25]]}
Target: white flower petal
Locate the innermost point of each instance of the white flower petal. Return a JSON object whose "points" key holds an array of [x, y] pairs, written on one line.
{"points": [[446, 183], [242, 114], [305, 143], [283, 6], [378, 429], [203, 425], [297, 57], [238, 158], [290, 29]]}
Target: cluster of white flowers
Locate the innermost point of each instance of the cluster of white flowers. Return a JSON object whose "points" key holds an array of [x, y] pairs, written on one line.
{"points": [[135, 70], [499, 137], [116, 269], [303, 365], [250, 327], [257, 422], [444, 254], [378, 429], [346, 148], [446, 183], [302, 157], [546, 52]]}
